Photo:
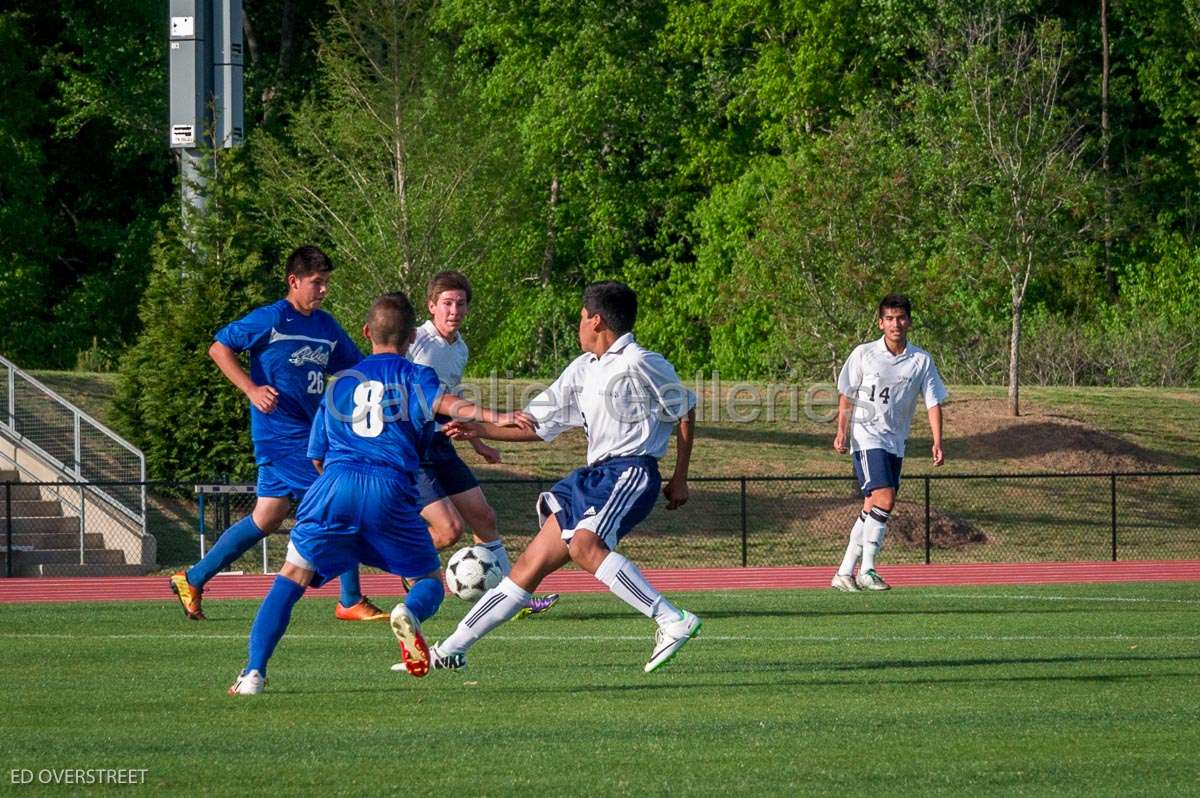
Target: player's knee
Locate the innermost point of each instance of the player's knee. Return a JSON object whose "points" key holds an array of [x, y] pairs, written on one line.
{"points": [[484, 522], [587, 551], [446, 533]]}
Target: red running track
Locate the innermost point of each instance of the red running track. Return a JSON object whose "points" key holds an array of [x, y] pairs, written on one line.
{"points": [[149, 588]]}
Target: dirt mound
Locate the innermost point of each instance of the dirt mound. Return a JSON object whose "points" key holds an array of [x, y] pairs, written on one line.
{"points": [[907, 526], [982, 430]]}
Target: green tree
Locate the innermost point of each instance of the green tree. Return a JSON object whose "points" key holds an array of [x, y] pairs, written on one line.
{"points": [[385, 163], [171, 400], [1004, 157]]}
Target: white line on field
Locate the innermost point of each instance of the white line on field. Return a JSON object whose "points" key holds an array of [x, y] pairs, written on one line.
{"points": [[611, 638], [1026, 597]]}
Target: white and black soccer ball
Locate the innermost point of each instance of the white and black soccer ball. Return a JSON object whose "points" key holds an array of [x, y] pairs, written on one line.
{"points": [[471, 572]]}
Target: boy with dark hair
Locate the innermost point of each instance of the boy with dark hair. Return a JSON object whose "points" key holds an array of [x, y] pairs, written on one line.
{"points": [[878, 389], [627, 399], [293, 344]]}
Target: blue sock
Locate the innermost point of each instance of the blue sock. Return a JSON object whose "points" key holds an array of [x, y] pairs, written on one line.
{"points": [[351, 592], [233, 543], [424, 598], [271, 622]]}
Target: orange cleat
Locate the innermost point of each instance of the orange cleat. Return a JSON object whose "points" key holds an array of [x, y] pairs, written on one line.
{"points": [[188, 596], [362, 611]]}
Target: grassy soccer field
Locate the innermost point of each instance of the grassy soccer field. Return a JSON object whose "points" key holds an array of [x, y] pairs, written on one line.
{"points": [[1071, 690]]}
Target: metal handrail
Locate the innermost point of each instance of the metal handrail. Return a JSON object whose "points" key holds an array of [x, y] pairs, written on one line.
{"points": [[8, 424]]}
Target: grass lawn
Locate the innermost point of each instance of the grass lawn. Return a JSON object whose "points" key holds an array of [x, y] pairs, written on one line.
{"points": [[1063, 690]]}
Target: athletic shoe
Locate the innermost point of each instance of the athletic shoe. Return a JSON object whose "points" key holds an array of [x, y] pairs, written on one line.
{"points": [[413, 650], [844, 583], [362, 611], [188, 596], [538, 605], [248, 683], [869, 580], [447, 662], [439, 661], [670, 638]]}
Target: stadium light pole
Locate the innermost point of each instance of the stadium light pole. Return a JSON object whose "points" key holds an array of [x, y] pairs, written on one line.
{"points": [[206, 107]]}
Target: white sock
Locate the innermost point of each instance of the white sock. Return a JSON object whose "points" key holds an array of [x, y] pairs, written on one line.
{"points": [[874, 528], [627, 583], [496, 547], [495, 607], [854, 548]]}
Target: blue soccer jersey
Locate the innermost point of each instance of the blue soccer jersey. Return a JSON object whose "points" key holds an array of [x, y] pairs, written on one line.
{"points": [[378, 413], [292, 353]]}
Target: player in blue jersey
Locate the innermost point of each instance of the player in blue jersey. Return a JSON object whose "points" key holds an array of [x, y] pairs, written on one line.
{"points": [[376, 420], [292, 345], [451, 498], [627, 400]]}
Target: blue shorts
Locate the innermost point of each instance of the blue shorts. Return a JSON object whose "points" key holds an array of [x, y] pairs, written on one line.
{"points": [[285, 477], [443, 473], [609, 498], [877, 468], [368, 515]]}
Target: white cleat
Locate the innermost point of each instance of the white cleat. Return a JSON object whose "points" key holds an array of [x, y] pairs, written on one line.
{"points": [[844, 583], [670, 638], [870, 580], [248, 683]]}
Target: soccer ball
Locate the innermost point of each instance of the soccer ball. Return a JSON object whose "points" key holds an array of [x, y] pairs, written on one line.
{"points": [[472, 572]]}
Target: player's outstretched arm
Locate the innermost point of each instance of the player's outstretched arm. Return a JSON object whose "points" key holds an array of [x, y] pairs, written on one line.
{"points": [[473, 430], [264, 397], [459, 408], [935, 427], [676, 489]]}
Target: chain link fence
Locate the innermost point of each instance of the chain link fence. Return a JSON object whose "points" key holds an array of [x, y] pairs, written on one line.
{"points": [[66, 529]]}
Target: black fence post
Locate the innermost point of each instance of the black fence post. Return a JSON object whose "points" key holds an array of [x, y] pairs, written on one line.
{"points": [[927, 522], [1113, 496], [745, 553], [8, 568]]}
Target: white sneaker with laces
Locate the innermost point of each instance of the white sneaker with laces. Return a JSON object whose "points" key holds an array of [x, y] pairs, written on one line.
{"points": [[439, 661], [248, 683], [844, 583], [870, 580], [669, 638]]}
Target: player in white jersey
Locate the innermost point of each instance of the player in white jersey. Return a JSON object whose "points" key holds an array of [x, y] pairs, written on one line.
{"points": [[627, 400], [449, 494], [877, 393]]}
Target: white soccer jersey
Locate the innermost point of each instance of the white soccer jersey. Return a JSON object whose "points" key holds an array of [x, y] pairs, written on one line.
{"points": [[448, 359], [627, 400], [884, 389]]}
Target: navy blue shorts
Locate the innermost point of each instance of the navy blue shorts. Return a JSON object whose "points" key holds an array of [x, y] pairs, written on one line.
{"points": [[877, 468], [366, 515], [287, 477], [443, 473], [609, 498]]}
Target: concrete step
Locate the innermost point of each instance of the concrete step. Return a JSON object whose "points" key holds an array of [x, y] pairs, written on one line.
{"points": [[22, 493], [54, 540], [58, 556], [25, 508], [43, 524], [9, 475], [75, 569]]}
